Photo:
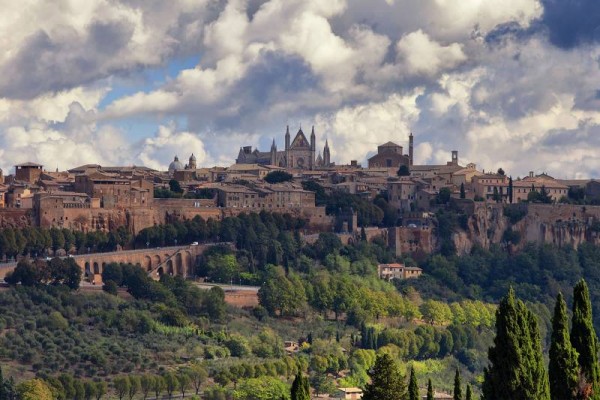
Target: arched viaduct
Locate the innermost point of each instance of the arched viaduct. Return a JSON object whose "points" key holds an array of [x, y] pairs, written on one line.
{"points": [[176, 260]]}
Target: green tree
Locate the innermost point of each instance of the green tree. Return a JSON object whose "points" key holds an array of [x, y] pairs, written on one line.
{"points": [[174, 186], [121, 385], [146, 384], [413, 386], [35, 389], [171, 383], [90, 390], [300, 388], [198, 375], [563, 368], [134, 386], [584, 339], [516, 369], [183, 382], [429, 390], [403, 171], [469, 392], [278, 177], [457, 394], [443, 196], [510, 190], [387, 383], [463, 194], [101, 389], [158, 385]]}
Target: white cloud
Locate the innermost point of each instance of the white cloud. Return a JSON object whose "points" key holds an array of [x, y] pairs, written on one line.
{"points": [[419, 55]]}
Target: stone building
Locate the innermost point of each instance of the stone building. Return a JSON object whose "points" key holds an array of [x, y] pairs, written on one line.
{"points": [[390, 155], [28, 172], [299, 153]]}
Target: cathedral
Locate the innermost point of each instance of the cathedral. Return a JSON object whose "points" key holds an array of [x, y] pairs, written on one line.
{"points": [[299, 153]]}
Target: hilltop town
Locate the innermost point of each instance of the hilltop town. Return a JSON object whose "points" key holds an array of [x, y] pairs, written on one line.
{"points": [[293, 181]]}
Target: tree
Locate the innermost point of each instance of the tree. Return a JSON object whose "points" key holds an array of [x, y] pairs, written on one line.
{"points": [[198, 375], [278, 177], [90, 390], [35, 389], [183, 382], [101, 389], [469, 393], [171, 383], [516, 370], [386, 381], [174, 186], [463, 194], [134, 386], [510, 190], [584, 339], [429, 390], [443, 196], [146, 384], [158, 385], [121, 385], [403, 171], [563, 368], [413, 386], [300, 388], [457, 395]]}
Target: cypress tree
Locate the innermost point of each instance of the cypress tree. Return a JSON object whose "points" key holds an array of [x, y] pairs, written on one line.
{"points": [[457, 386], [429, 390], [469, 393], [563, 368], [300, 388], [413, 386], [3, 394], [584, 339], [510, 190], [387, 383], [462, 191], [516, 370]]}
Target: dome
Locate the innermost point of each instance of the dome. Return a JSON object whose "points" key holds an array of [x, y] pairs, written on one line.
{"points": [[175, 165], [192, 157]]}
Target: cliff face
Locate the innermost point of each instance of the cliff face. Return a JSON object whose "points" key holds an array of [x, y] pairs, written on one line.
{"points": [[558, 224]]}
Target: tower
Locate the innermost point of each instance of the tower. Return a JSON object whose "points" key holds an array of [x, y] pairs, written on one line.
{"points": [[454, 157], [287, 146], [313, 148], [192, 162], [273, 153], [326, 155], [410, 149]]}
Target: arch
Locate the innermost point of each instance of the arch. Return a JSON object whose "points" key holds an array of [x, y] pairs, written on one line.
{"points": [[179, 265], [88, 270], [96, 268], [157, 260], [170, 267], [147, 263], [189, 265]]}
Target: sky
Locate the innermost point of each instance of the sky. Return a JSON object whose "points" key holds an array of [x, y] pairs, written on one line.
{"points": [[512, 84]]}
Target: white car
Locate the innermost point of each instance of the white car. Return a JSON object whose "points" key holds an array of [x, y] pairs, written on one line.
{"points": [[194, 244]]}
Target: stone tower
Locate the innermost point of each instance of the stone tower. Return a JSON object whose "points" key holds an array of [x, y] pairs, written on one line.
{"points": [[192, 162], [287, 146], [313, 148], [273, 153], [326, 155], [410, 149]]}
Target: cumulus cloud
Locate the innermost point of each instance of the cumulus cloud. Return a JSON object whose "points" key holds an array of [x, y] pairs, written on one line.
{"points": [[490, 79]]}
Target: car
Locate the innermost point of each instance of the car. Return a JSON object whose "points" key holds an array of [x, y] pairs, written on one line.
{"points": [[412, 225], [194, 244]]}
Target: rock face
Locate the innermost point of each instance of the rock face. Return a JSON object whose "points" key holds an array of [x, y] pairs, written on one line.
{"points": [[557, 224]]}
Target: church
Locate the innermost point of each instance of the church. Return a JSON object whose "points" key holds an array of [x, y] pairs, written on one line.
{"points": [[299, 153]]}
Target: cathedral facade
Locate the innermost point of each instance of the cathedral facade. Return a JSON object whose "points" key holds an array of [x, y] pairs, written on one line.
{"points": [[299, 153]]}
